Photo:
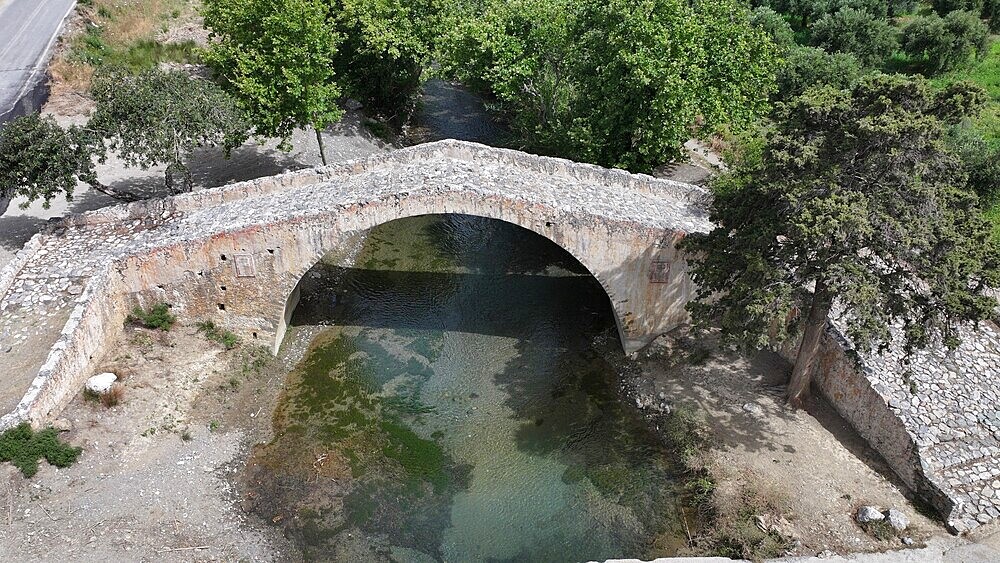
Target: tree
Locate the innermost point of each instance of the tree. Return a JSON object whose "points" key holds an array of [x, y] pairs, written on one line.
{"points": [[775, 26], [870, 39], [946, 43], [157, 117], [520, 52], [385, 47], [277, 57], [41, 160], [854, 209], [616, 83], [806, 67]]}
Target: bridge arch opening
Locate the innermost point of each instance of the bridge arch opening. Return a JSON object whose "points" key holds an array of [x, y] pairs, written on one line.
{"points": [[451, 272]]}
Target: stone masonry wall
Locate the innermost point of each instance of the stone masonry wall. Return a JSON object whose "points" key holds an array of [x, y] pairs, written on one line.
{"points": [[235, 255]]}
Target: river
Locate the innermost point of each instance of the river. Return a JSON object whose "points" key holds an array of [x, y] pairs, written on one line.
{"points": [[458, 402]]}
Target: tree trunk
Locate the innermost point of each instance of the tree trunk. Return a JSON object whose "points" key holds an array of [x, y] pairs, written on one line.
{"points": [[819, 310], [120, 196], [319, 141]]}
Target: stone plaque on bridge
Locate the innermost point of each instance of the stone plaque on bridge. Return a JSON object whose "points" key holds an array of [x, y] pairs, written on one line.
{"points": [[245, 267], [659, 272]]}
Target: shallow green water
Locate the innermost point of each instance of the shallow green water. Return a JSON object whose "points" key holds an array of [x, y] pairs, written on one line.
{"points": [[459, 405]]}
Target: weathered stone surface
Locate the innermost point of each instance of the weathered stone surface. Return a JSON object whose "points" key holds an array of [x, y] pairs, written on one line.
{"points": [[897, 519], [101, 383], [869, 514]]}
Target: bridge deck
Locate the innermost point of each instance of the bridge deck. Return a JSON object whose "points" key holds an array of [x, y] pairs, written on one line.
{"points": [[45, 282]]}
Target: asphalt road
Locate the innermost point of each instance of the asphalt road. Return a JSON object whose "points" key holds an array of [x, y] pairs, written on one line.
{"points": [[28, 28]]}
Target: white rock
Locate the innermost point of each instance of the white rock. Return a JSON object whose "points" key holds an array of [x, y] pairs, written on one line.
{"points": [[62, 424], [897, 519], [869, 514], [101, 383], [753, 409]]}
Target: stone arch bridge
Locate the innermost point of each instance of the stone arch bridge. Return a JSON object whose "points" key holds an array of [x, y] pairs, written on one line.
{"points": [[235, 255]]}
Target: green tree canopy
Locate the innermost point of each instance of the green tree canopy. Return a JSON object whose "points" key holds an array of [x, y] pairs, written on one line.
{"points": [[277, 59], [806, 67], [942, 44], [870, 39], [41, 160], [775, 26], [156, 117], [386, 46], [616, 82], [854, 201]]}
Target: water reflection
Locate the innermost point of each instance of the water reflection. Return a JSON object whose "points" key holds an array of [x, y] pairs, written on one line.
{"points": [[458, 404]]}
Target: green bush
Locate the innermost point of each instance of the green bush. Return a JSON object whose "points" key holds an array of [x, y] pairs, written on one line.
{"points": [[157, 317], [980, 161], [945, 7], [774, 25], [941, 44], [806, 67], [870, 39], [218, 334], [23, 447]]}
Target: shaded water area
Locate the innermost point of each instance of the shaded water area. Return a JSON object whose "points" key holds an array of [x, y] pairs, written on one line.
{"points": [[458, 403]]}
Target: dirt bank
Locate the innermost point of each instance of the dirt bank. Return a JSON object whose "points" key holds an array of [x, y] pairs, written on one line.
{"points": [[810, 463]]}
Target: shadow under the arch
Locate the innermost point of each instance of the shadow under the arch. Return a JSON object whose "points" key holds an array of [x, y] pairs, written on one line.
{"points": [[443, 301]]}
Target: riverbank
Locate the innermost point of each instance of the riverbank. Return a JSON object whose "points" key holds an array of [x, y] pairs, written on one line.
{"points": [[808, 464]]}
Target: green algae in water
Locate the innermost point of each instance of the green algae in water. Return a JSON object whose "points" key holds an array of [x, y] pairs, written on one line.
{"points": [[462, 408]]}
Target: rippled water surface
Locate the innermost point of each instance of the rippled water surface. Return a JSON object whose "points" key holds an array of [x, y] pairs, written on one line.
{"points": [[457, 403]]}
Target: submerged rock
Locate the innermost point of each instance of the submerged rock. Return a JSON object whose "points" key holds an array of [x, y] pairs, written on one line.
{"points": [[101, 383], [869, 514]]}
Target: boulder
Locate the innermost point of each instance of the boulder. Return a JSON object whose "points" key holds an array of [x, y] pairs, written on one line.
{"points": [[62, 424], [897, 519], [869, 514], [101, 383]]}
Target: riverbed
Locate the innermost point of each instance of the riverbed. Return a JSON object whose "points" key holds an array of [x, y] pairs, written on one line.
{"points": [[458, 403]]}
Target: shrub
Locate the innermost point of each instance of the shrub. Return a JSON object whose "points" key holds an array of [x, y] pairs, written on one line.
{"points": [[806, 67], [218, 334], [774, 25], [686, 434], [23, 447], [941, 44], [157, 317], [870, 39], [980, 161], [945, 7]]}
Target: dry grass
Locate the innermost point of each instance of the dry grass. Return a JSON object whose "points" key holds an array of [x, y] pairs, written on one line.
{"points": [[113, 396], [74, 76], [110, 30], [737, 508]]}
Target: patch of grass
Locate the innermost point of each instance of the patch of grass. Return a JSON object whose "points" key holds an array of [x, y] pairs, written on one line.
{"points": [[157, 317], [186, 435], [215, 333], [879, 529], [993, 216], [699, 355], [125, 33], [213, 425], [23, 447], [686, 434], [735, 532]]}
